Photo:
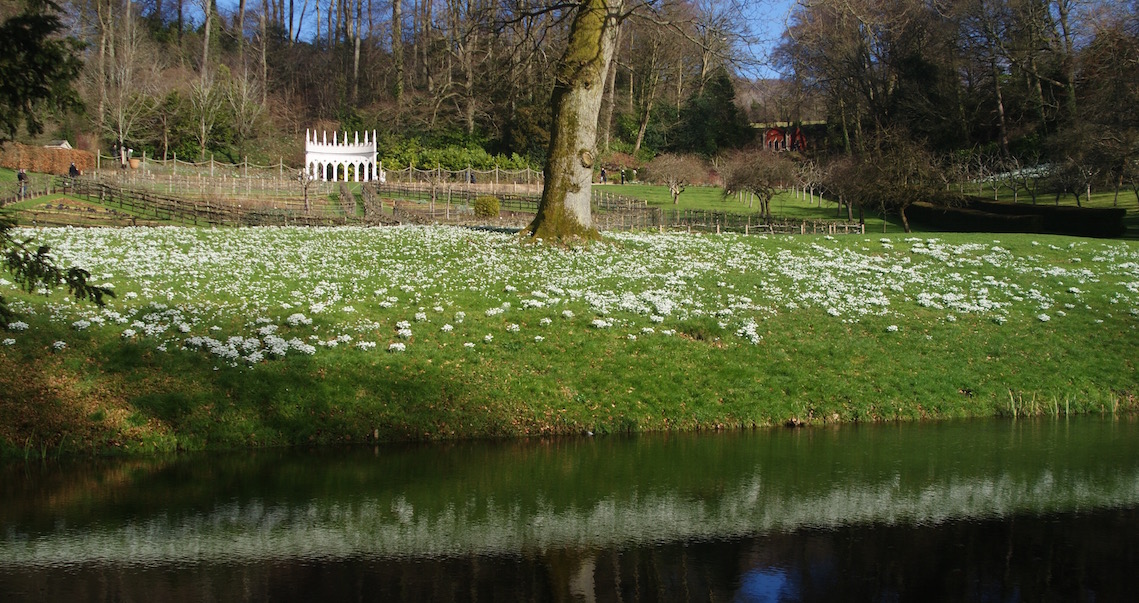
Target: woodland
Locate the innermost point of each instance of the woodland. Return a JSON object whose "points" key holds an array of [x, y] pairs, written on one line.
{"points": [[913, 93]]}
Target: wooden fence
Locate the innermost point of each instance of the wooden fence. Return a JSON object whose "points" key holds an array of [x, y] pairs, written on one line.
{"points": [[461, 195], [38, 185], [147, 204], [518, 180], [138, 200], [698, 220]]}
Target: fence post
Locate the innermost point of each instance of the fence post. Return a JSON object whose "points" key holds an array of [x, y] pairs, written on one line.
{"points": [[211, 165]]}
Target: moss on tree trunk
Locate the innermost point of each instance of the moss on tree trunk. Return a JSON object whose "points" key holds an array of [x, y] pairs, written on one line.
{"points": [[564, 213]]}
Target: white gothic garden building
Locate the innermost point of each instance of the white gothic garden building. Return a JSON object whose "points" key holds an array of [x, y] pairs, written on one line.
{"points": [[341, 160]]}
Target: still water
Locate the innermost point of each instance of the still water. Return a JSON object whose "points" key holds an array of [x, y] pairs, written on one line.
{"points": [[974, 510]]}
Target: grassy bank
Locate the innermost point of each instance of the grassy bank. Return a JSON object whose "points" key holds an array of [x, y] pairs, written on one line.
{"points": [[277, 336]]}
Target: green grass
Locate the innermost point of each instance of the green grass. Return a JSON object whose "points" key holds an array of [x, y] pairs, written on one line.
{"points": [[785, 205], [701, 332]]}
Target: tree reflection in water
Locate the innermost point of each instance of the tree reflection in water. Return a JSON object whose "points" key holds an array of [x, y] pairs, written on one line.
{"points": [[960, 511]]}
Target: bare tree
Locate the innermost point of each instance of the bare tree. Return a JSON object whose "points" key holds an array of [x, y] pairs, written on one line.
{"points": [[676, 172], [130, 77], [243, 95], [206, 100], [760, 172]]}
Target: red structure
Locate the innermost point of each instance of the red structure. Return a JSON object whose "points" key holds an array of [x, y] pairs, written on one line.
{"points": [[776, 139]]}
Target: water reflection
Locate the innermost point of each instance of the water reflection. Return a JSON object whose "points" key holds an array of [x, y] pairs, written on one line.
{"points": [[982, 509]]}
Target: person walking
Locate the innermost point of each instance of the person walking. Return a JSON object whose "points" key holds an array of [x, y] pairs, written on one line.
{"points": [[22, 179]]}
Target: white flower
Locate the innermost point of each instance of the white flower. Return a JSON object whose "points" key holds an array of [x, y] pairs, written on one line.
{"points": [[567, 313], [59, 345], [892, 328], [18, 325], [349, 309], [1043, 317], [79, 325], [403, 324], [298, 319], [513, 328], [131, 295], [468, 345], [631, 337], [494, 311], [420, 316], [459, 316], [128, 333], [9, 341], [489, 338], [539, 339], [397, 347], [301, 346], [366, 345], [404, 333], [545, 321], [599, 323], [511, 288], [447, 328]]}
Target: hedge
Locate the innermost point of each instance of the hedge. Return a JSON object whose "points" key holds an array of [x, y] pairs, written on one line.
{"points": [[964, 219], [14, 155]]}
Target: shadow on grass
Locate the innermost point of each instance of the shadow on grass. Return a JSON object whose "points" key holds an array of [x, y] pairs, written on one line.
{"points": [[43, 412], [335, 398]]}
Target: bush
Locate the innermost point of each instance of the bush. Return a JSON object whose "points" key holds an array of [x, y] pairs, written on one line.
{"points": [[964, 219], [14, 155], [486, 207]]}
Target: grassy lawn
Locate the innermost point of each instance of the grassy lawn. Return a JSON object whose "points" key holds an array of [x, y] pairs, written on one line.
{"points": [[785, 205], [224, 338]]}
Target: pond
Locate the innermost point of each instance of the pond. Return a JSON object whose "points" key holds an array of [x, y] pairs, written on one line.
{"points": [[977, 510]]}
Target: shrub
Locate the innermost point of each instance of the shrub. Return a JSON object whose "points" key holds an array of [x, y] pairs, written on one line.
{"points": [[486, 207]]}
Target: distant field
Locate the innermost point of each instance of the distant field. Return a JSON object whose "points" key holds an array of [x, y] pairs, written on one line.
{"points": [[784, 205]]}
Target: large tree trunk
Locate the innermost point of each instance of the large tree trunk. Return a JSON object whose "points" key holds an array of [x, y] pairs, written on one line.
{"points": [[563, 212]]}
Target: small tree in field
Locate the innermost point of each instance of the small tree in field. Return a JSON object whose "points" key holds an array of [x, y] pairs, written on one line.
{"points": [[761, 173], [891, 175], [676, 172]]}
